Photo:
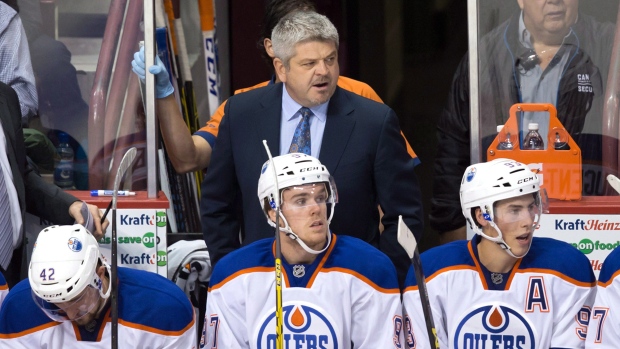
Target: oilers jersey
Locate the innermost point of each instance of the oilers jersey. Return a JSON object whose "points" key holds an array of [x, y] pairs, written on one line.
{"points": [[543, 302], [604, 329], [347, 298], [153, 313]]}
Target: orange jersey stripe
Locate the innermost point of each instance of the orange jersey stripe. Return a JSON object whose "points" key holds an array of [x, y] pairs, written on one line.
{"points": [[29, 331], [156, 330], [611, 279]]}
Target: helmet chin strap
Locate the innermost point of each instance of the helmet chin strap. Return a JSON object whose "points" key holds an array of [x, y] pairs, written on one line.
{"points": [[500, 240], [289, 232], [107, 293]]}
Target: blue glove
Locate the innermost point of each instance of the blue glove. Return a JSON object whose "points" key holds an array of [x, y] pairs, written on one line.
{"points": [[163, 87]]}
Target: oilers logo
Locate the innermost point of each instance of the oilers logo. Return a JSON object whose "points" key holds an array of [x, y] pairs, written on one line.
{"points": [[74, 244], [471, 174], [494, 326], [305, 327]]}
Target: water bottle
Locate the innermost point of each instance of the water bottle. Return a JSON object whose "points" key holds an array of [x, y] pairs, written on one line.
{"points": [[504, 141], [63, 169], [533, 140], [560, 144]]}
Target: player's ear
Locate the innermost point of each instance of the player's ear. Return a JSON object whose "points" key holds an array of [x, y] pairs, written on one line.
{"points": [[479, 218], [101, 271], [272, 215]]}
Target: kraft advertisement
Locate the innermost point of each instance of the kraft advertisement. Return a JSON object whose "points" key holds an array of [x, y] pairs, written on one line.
{"points": [[141, 235]]}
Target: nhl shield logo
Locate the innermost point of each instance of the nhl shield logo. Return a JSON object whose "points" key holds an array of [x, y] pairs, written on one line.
{"points": [[305, 326], [494, 326]]}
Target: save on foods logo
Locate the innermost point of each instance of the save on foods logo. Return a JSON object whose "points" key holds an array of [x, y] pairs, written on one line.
{"points": [[587, 246], [149, 240]]}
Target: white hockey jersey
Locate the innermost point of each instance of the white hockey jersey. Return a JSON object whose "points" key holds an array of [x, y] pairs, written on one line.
{"points": [[4, 289], [604, 329], [544, 302], [153, 313], [347, 298]]}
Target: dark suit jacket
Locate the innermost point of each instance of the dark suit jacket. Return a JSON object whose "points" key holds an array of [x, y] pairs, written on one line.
{"points": [[362, 148], [35, 195]]}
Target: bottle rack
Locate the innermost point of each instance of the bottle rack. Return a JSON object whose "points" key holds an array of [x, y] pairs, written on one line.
{"points": [[560, 169]]}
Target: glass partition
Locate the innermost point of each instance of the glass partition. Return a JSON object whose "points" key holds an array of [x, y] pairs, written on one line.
{"points": [[561, 53], [90, 104]]}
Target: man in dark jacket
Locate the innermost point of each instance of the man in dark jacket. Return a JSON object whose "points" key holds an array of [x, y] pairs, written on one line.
{"points": [[548, 52]]}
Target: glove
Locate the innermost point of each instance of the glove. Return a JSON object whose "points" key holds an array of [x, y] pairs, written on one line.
{"points": [[163, 87]]}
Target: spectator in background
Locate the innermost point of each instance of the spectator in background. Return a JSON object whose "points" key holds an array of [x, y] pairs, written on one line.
{"points": [[538, 55], [61, 106], [15, 66]]}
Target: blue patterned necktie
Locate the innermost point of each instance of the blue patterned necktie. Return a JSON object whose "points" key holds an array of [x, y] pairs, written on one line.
{"points": [[301, 138], [6, 227]]}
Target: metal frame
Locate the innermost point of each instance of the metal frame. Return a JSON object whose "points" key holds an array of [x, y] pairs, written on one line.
{"points": [[474, 110]]}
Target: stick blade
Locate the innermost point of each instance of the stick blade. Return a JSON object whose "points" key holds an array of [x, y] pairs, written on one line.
{"points": [[126, 162], [614, 182], [406, 238]]}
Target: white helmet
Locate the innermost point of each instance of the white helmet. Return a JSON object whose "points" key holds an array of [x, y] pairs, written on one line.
{"points": [[63, 265], [294, 169], [484, 184]]}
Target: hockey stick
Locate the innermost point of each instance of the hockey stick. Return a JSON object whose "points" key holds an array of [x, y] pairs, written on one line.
{"points": [[125, 164], [614, 182], [278, 264], [207, 25], [409, 243]]}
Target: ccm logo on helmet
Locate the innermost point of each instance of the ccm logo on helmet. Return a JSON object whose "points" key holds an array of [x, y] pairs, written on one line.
{"points": [[307, 169], [529, 179]]}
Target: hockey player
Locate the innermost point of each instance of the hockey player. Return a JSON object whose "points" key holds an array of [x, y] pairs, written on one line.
{"points": [[604, 328], [338, 291], [64, 302], [504, 288]]}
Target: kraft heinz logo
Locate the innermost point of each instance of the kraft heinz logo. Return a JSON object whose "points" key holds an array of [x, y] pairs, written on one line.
{"points": [[590, 224], [158, 219]]}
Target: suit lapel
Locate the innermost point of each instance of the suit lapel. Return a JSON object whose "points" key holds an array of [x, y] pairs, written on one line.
{"points": [[267, 122], [338, 128], [8, 127]]}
